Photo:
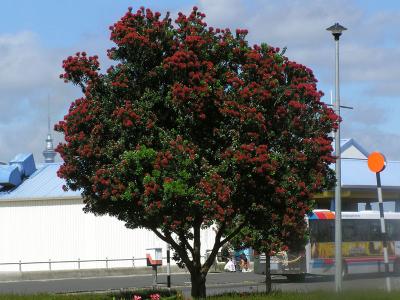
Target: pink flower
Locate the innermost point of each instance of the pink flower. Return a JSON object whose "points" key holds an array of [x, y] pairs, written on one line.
{"points": [[136, 297], [155, 296]]}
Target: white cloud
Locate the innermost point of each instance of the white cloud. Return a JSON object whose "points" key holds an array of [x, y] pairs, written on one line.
{"points": [[222, 13], [377, 140], [28, 76], [301, 26], [22, 61], [370, 67]]}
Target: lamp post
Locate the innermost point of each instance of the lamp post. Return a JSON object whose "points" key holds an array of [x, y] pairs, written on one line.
{"points": [[336, 31]]}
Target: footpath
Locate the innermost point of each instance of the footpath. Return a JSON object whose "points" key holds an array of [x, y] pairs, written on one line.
{"points": [[98, 272]]}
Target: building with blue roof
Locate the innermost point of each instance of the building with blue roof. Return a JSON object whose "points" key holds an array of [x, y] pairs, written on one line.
{"points": [[40, 222], [42, 184]]}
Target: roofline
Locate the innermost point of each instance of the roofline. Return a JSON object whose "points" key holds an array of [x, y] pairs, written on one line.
{"points": [[372, 187], [357, 145], [20, 199], [351, 142]]}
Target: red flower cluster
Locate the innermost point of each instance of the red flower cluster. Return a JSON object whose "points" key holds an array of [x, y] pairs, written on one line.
{"points": [[127, 114], [140, 29], [216, 194], [80, 68]]}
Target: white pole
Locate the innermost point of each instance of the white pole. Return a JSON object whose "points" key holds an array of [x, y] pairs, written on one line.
{"points": [[383, 231], [338, 189], [336, 30]]}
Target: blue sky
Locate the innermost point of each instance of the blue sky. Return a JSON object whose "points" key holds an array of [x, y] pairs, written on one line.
{"points": [[35, 36]]}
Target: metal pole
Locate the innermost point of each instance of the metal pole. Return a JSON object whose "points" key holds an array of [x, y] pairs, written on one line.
{"points": [[168, 266], [338, 189], [154, 277], [383, 231]]}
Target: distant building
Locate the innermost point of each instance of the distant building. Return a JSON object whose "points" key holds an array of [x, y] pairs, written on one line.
{"points": [[39, 221], [359, 183]]}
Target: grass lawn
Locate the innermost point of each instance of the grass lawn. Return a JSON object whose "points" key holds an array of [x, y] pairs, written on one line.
{"points": [[55, 297], [366, 295]]}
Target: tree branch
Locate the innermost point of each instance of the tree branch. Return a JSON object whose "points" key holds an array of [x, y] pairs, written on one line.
{"points": [[167, 237], [185, 242], [217, 244], [82, 87], [233, 233]]}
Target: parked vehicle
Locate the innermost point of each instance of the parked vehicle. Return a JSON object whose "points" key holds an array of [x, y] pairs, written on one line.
{"points": [[362, 246]]}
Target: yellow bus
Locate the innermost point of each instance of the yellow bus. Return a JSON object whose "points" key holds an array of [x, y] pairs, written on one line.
{"points": [[362, 247]]}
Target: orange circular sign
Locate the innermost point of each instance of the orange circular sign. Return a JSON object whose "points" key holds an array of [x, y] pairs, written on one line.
{"points": [[376, 162]]}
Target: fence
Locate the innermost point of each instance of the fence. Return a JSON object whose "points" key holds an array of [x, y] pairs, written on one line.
{"points": [[78, 262]]}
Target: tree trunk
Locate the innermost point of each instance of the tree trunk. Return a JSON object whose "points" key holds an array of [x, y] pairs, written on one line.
{"points": [[198, 285], [268, 283]]}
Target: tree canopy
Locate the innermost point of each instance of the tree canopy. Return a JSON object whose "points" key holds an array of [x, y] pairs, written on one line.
{"points": [[192, 128]]}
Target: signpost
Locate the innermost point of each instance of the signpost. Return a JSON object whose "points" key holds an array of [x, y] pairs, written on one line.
{"points": [[168, 266], [377, 163], [154, 259]]}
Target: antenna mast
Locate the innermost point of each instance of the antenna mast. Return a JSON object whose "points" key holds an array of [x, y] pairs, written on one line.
{"points": [[49, 152]]}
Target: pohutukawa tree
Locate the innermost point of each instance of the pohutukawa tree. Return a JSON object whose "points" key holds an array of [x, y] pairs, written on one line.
{"points": [[193, 128]]}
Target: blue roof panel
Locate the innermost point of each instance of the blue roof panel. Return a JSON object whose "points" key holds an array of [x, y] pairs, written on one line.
{"points": [[43, 183]]}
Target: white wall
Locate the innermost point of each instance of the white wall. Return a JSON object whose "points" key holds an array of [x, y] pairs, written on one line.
{"points": [[60, 230], [353, 152]]}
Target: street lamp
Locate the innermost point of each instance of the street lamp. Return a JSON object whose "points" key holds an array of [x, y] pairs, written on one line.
{"points": [[336, 30]]}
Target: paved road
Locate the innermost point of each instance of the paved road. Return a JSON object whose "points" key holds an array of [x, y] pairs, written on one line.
{"points": [[216, 283]]}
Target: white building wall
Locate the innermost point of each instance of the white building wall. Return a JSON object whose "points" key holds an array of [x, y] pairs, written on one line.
{"points": [[40, 230], [353, 152]]}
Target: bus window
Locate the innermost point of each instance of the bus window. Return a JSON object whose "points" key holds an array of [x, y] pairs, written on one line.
{"points": [[348, 231], [355, 230], [313, 227], [393, 229], [375, 230], [322, 230]]}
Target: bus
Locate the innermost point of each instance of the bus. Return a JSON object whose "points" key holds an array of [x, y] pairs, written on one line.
{"points": [[362, 247]]}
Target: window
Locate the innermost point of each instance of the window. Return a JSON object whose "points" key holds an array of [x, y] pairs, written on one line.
{"points": [[393, 229], [354, 230], [322, 230], [375, 230]]}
